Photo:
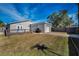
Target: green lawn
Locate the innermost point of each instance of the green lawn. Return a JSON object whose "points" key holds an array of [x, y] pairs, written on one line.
{"points": [[18, 45]]}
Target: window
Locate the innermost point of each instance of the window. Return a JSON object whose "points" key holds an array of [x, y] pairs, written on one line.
{"points": [[18, 27], [21, 27]]}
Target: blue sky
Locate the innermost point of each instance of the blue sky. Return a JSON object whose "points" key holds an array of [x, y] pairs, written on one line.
{"points": [[37, 12]]}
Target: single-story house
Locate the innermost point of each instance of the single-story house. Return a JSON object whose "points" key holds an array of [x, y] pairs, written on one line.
{"points": [[43, 26], [28, 26]]}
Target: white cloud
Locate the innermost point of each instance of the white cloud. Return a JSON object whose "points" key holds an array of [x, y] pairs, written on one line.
{"points": [[40, 20], [12, 12]]}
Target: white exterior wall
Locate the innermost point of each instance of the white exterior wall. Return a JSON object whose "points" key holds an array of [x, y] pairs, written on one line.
{"points": [[47, 28], [35, 26], [1, 30], [25, 27], [42, 26], [28, 25]]}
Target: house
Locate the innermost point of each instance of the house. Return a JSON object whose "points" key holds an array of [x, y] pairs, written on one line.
{"points": [[1, 30], [43, 26], [22, 26], [28, 26]]}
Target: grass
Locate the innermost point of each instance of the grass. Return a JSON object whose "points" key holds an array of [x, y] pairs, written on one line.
{"points": [[19, 45]]}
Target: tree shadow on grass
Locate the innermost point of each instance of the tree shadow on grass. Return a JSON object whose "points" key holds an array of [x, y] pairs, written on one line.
{"points": [[73, 42], [44, 48], [73, 45]]}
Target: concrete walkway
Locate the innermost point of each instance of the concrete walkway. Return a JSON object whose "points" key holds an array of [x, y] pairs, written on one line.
{"points": [[61, 34], [1, 33], [65, 35]]}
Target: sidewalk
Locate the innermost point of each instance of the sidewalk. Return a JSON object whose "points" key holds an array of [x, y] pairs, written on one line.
{"points": [[62, 34], [1, 33]]}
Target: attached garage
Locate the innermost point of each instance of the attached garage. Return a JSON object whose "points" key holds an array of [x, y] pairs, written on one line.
{"points": [[43, 27]]}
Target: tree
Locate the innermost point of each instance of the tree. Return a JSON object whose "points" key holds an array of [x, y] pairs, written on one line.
{"points": [[1, 24], [60, 19]]}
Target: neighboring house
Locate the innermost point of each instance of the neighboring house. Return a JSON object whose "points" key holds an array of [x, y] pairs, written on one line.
{"points": [[1, 30], [28, 26]]}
